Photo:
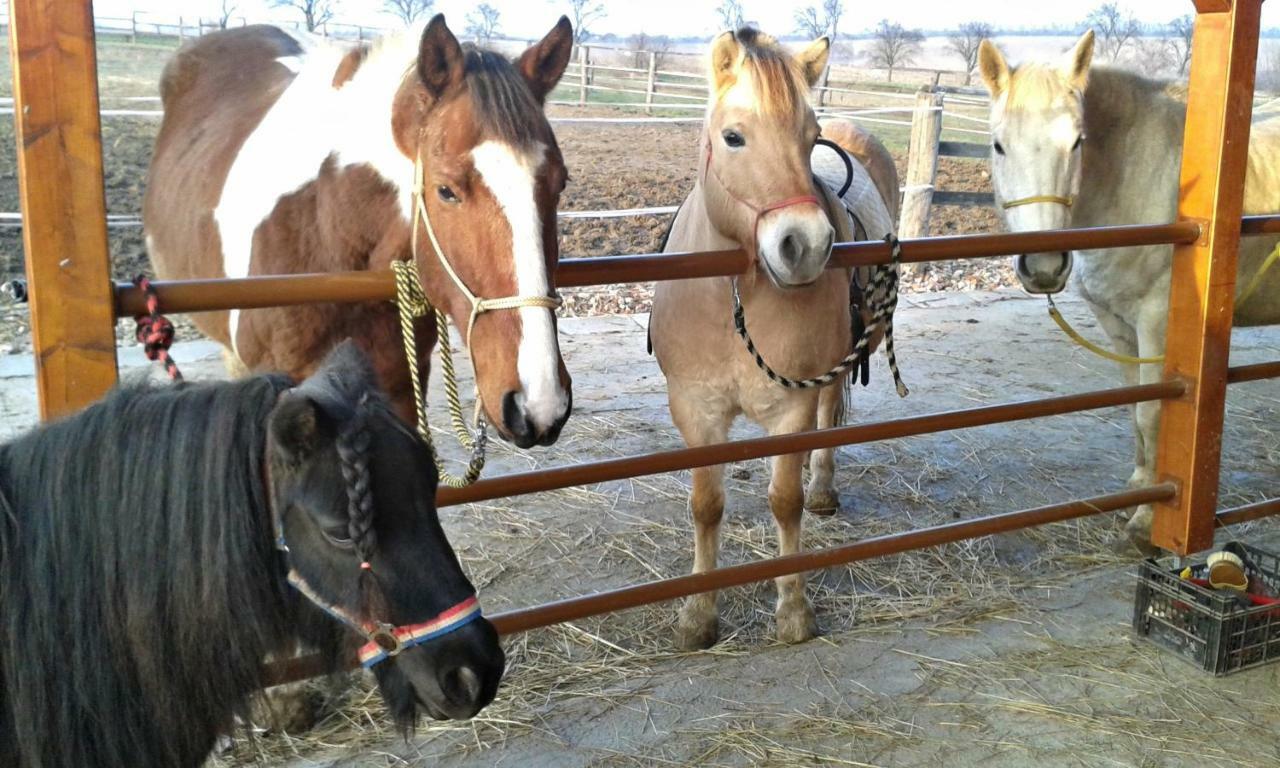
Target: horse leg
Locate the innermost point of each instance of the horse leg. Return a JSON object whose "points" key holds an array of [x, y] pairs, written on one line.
{"points": [[796, 620], [1151, 336], [236, 369], [1124, 340], [821, 497], [698, 624]]}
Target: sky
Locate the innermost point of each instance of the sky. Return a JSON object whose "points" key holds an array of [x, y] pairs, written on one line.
{"points": [[679, 18]]}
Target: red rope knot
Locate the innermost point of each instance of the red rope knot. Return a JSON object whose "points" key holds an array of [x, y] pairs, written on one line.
{"points": [[155, 332]]}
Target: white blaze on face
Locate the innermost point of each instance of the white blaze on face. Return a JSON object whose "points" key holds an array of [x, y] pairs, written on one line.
{"points": [[511, 177]]}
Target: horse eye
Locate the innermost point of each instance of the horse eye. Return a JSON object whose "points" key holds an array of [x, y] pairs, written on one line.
{"points": [[999, 149], [447, 194], [339, 539], [1079, 141], [734, 139]]}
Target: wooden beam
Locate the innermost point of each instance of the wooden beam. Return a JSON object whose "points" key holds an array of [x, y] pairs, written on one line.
{"points": [[1201, 300], [922, 164], [55, 77]]}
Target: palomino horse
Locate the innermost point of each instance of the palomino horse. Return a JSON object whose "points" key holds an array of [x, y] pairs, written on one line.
{"points": [[282, 154], [756, 191], [156, 547], [1075, 147]]}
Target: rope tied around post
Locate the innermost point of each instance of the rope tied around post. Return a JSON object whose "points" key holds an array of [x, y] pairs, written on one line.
{"points": [[412, 303], [155, 332]]}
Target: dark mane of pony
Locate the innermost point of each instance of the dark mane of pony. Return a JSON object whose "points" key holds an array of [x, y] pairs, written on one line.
{"points": [[138, 531], [501, 98], [780, 88]]}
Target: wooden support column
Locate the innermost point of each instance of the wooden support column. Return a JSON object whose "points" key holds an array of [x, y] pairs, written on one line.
{"points": [[584, 57], [922, 164], [55, 99], [1214, 153]]}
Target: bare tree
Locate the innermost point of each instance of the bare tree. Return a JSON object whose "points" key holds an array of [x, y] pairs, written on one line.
{"points": [[642, 45], [731, 14], [482, 23], [1115, 26], [893, 46], [315, 13], [965, 41], [408, 11], [582, 13], [226, 10], [814, 22], [1179, 42], [833, 10], [810, 23]]}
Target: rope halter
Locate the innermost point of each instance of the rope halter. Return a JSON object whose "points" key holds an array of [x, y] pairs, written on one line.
{"points": [[413, 303], [478, 305], [758, 210]]}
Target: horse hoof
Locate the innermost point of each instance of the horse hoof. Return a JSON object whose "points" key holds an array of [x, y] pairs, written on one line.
{"points": [[1138, 532], [796, 623], [698, 627], [822, 503]]}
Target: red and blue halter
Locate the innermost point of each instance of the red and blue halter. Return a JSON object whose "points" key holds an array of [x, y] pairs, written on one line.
{"points": [[384, 640]]}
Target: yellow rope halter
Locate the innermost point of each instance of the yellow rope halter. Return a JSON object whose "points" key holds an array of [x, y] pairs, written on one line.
{"points": [[412, 303]]}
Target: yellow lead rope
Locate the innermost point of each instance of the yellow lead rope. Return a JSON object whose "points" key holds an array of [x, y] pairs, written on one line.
{"points": [[1089, 345], [1075, 336]]}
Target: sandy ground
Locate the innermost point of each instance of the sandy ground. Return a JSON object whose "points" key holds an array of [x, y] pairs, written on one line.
{"points": [[1003, 651]]}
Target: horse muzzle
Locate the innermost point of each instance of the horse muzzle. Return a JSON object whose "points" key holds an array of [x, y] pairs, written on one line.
{"points": [[795, 248], [457, 675], [1043, 273], [526, 423]]}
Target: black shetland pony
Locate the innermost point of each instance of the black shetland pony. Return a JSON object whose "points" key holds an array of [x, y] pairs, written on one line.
{"points": [[157, 547]]}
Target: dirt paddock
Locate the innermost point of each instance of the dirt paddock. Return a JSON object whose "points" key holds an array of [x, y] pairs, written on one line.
{"points": [[1005, 651], [1009, 650]]}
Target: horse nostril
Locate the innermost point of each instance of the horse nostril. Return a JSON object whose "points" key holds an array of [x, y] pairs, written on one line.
{"points": [[790, 249], [461, 686]]}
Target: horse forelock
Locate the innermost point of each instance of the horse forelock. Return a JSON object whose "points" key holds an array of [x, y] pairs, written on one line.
{"points": [[777, 83], [502, 104], [1039, 87]]}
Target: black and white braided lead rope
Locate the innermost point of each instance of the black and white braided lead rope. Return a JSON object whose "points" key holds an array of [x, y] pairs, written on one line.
{"points": [[882, 293]]}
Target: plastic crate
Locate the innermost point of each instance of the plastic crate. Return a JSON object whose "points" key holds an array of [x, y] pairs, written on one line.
{"points": [[1209, 628]]}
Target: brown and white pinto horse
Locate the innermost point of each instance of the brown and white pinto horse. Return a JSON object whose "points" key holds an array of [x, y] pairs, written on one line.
{"points": [[280, 153]]}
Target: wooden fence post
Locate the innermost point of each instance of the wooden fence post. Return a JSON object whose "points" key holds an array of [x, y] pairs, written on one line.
{"points": [[653, 83], [64, 233], [181, 31], [922, 164], [133, 27], [823, 84], [582, 75], [1202, 294]]}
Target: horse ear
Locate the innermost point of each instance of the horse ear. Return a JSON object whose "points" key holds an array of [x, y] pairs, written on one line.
{"points": [[544, 63], [1076, 66], [993, 68], [725, 50], [813, 60], [439, 58], [297, 427]]}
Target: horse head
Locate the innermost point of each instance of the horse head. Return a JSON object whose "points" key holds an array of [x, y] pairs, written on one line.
{"points": [[755, 176], [488, 179], [352, 492], [1037, 131]]}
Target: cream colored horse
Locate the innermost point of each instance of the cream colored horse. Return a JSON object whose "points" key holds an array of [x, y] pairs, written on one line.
{"points": [[756, 191], [1074, 147]]}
